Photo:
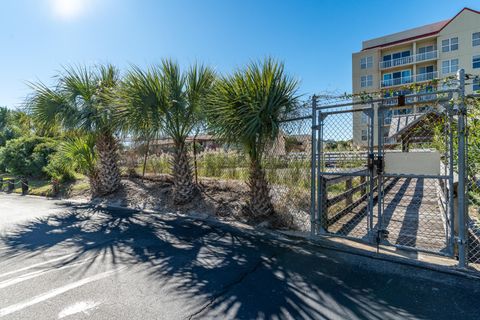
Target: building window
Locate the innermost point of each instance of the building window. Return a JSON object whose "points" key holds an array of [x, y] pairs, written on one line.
{"points": [[476, 84], [366, 63], [364, 118], [426, 49], [450, 44], [397, 78], [369, 80], [476, 39], [395, 59], [476, 62], [426, 69], [366, 81], [364, 134], [449, 66]]}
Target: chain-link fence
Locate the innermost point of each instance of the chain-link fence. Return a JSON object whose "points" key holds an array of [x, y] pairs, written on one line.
{"points": [[384, 172], [473, 179], [344, 182], [286, 163], [417, 192]]}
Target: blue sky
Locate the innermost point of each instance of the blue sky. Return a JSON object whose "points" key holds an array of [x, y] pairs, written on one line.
{"points": [[315, 39]]}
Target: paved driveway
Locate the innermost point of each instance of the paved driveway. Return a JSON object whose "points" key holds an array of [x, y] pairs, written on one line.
{"points": [[61, 261]]}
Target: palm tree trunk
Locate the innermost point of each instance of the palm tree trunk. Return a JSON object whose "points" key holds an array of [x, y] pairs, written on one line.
{"points": [[260, 202], [94, 184], [145, 158], [108, 171], [182, 175]]}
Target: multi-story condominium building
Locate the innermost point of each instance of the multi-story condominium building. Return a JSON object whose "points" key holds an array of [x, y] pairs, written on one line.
{"points": [[418, 55]]}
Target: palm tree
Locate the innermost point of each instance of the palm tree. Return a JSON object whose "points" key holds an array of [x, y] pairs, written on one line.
{"points": [[246, 108], [165, 101], [78, 153], [80, 102]]}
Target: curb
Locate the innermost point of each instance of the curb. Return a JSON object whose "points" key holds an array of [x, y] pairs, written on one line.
{"points": [[314, 242]]}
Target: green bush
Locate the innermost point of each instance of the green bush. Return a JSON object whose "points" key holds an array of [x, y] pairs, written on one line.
{"points": [[27, 156], [58, 170]]}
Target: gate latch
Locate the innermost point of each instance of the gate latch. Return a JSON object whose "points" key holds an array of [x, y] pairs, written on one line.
{"points": [[376, 162], [382, 234], [380, 164], [371, 161]]}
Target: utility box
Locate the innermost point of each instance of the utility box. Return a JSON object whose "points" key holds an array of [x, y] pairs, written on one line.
{"points": [[415, 163]]}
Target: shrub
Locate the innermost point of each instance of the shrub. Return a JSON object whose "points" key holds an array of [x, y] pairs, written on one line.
{"points": [[159, 164], [27, 156], [58, 168]]}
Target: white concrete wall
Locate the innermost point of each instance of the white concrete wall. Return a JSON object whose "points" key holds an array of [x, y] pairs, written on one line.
{"points": [[421, 162]]}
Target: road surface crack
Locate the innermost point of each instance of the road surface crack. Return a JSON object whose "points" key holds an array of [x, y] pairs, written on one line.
{"points": [[229, 286]]}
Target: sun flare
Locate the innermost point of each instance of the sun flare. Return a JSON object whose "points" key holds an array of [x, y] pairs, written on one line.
{"points": [[68, 9]]}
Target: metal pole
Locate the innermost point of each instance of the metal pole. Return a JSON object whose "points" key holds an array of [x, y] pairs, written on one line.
{"points": [[371, 144], [321, 186], [451, 204], [313, 179], [461, 169], [379, 170]]}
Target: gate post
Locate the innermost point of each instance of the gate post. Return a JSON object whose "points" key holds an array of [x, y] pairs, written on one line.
{"points": [[452, 185], [313, 179], [461, 170], [322, 189], [24, 184]]}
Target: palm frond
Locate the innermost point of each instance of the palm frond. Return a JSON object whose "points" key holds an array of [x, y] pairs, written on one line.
{"points": [[80, 100], [79, 153], [247, 106]]}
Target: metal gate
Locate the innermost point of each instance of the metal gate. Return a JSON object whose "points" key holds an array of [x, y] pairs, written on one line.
{"points": [[381, 175]]}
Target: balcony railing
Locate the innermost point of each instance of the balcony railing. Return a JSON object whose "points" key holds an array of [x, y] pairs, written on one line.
{"points": [[430, 55], [426, 76], [409, 79], [426, 56], [396, 81], [396, 62]]}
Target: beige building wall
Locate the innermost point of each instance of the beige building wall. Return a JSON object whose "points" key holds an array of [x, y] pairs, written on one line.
{"points": [[463, 26]]}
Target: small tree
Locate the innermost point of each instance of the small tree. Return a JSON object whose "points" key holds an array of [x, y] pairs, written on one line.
{"points": [[246, 108], [81, 102], [165, 101]]}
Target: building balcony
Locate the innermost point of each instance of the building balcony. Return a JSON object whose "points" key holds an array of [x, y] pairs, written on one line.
{"points": [[430, 55], [421, 57], [396, 81], [397, 62], [421, 77]]}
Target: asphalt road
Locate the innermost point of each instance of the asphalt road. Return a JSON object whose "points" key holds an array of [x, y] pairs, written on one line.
{"points": [[63, 261]]}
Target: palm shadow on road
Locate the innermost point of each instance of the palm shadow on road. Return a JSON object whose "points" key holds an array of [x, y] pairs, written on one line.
{"points": [[220, 271]]}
